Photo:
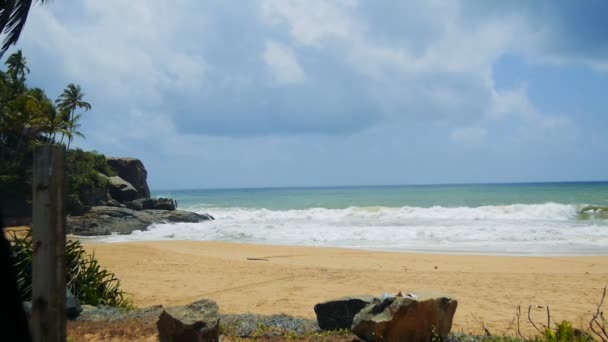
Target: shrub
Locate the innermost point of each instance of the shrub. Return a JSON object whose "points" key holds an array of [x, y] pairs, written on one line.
{"points": [[85, 278], [85, 185]]}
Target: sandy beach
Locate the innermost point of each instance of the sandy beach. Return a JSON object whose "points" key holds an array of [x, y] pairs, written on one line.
{"points": [[280, 279]]}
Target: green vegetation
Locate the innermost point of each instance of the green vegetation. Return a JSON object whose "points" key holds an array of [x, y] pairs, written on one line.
{"points": [[86, 183], [13, 15], [564, 332], [90, 283], [28, 117]]}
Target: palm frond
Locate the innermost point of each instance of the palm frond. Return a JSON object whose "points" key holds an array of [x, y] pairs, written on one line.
{"points": [[13, 15]]}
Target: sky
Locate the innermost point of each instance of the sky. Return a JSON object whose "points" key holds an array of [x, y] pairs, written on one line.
{"points": [[216, 94]]}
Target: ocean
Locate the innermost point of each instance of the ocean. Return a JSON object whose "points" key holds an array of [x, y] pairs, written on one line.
{"points": [[511, 219]]}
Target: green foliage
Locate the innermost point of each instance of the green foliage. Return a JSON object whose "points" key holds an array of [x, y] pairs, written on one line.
{"points": [[564, 332], [28, 117], [86, 279], [85, 185]]}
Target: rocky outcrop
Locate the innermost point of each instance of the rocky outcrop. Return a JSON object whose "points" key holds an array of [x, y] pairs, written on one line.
{"points": [[338, 314], [417, 317], [104, 220], [121, 190], [152, 203], [198, 321], [72, 306], [133, 171]]}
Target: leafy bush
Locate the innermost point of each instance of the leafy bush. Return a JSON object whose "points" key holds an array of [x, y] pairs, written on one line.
{"points": [[85, 185], [564, 332], [90, 283]]}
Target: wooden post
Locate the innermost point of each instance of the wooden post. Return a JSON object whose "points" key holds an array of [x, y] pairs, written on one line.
{"points": [[48, 235]]}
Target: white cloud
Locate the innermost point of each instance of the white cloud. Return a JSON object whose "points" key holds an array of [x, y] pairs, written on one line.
{"points": [[195, 73], [311, 21], [472, 135], [283, 63]]}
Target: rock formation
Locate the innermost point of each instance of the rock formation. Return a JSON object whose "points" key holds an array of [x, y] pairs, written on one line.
{"points": [[338, 314], [133, 171], [152, 203], [121, 190], [103, 220], [198, 321], [417, 317]]}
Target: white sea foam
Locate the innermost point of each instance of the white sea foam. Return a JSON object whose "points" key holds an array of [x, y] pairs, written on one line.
{"points": [[549, 228]]}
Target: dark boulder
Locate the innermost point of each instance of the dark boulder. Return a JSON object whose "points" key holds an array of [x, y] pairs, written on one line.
{"points": [[198, 321], [152, 203], [415, 318], [107, 220], [112, 203], [133, 171], [72, 306], [338, 314], [121, 190]]}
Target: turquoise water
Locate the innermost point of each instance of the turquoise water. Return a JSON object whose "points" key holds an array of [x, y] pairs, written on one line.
{"points": [[538, 219], [396, 196]]}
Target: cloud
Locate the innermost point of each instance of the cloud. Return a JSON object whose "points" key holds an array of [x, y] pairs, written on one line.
{"points": [[287, 67], [472, 135], [311, 22], [186, 74], [283, 63]]}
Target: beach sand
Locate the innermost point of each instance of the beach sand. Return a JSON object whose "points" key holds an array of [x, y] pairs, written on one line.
{"points": [[292, 280]]}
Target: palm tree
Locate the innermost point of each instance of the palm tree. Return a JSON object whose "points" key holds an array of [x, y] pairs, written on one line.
{"points": [[13, 15], [68, 102], [17, 66]]}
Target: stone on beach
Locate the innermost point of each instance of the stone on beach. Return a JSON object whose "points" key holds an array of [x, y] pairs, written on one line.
{"points": [[339, 313], [422, 317], [72, 306], [198, 321]]}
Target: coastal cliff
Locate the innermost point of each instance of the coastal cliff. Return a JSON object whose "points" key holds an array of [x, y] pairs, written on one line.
{"points": [[125, 204], [105, 195]]}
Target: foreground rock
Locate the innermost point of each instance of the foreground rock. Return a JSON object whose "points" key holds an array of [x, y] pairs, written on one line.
{"points": [[104, 220], [338, 314], [72, 306], [237, 325], [422, 317], [198, 321], [133, 171]]}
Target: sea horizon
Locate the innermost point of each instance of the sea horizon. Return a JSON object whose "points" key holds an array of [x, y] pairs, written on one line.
{"points": [[165, 189]]}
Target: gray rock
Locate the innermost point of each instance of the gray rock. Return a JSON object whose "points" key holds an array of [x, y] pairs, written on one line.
{"points": [[121, 190], [247, 325], [72, 305], [104, 220], [198, 321], [27, 308], [105, 313], [339, 313], [152, 203], [422, 317], [113, 203], [133, 171]]}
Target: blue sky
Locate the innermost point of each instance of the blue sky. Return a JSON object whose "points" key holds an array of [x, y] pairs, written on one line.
{"points": [[213, 94]]}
